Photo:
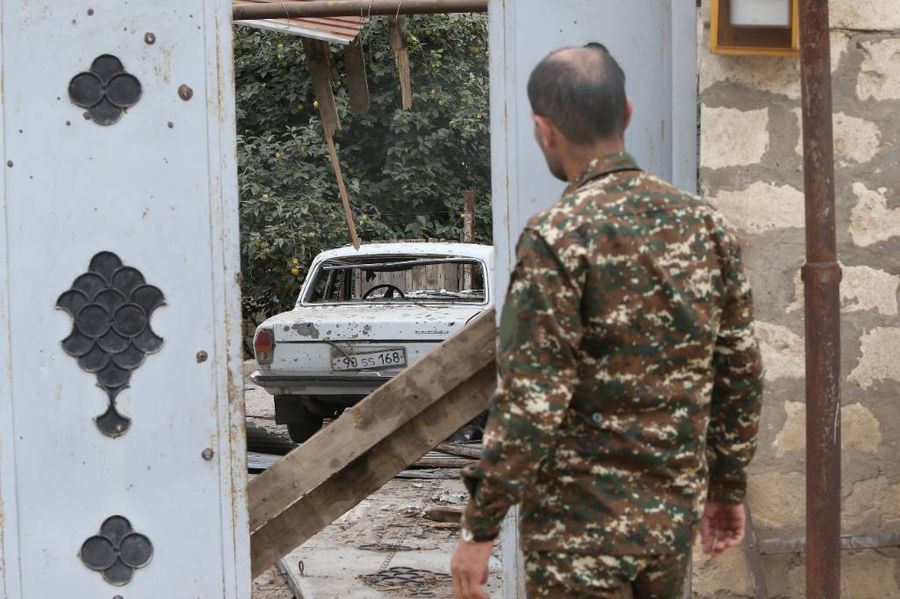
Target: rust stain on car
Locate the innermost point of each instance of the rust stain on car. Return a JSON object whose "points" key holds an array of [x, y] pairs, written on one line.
{"points": [[307, 329]]}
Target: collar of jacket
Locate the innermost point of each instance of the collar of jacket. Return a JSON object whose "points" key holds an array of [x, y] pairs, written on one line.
{"points": [[605, 165]]}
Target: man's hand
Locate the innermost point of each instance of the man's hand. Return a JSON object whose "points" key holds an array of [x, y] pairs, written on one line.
{"points": [[470, 569], [722, 527]]}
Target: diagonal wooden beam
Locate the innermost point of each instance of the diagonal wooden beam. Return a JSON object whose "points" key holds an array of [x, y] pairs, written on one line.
{"points": [[368, 473], [446, 370]]}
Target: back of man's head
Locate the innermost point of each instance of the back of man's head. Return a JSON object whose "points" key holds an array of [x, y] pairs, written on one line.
{"points": [[582, 91]]}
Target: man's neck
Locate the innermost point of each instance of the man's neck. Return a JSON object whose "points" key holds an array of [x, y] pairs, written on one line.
{"points": [[580, 157]]}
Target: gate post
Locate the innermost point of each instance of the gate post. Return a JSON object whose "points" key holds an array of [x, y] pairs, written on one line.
{"points": [[122, 462], [656, 43]]}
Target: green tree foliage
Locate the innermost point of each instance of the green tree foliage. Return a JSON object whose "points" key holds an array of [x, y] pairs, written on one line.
{"points": [[405, 170]]}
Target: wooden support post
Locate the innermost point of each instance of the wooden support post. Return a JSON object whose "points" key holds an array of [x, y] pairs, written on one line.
{"points": [[318, 62], [357, 85], [397, 29], [342, 189], [468, 216], [363, 449], [468, 235]]}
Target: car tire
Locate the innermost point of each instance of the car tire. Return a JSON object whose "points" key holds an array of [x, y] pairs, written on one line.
{"points": [[302, 430], [302, 423]]}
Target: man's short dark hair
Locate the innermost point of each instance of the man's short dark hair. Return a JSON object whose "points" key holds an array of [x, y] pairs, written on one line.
{"points": [[582, 91]]}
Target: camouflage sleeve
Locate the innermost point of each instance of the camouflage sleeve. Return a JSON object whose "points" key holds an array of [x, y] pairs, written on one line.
{"points": [[737, 388], [540, 332]]}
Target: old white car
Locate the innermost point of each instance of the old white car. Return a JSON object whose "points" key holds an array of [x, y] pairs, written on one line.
{"points": [[361, 318]]}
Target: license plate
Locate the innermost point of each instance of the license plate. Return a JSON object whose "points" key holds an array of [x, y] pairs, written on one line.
{"points": [[388, 358]]}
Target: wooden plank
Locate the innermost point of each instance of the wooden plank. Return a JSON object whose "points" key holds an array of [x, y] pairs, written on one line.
{"points": [[370, 421], [400, 48], [466, 451], [427, 463], [445, 474], [357, 85], [368, 473], [318, 62]]}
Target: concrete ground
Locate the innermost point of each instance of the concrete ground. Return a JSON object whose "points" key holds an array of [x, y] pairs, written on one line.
{"points": [[384, 548]]}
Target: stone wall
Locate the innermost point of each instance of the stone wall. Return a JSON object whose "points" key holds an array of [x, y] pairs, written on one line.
{"points": [[751, 168]]}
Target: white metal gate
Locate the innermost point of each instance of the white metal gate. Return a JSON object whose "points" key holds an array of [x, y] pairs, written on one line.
{"points": [[656, 43], [122, 468]]}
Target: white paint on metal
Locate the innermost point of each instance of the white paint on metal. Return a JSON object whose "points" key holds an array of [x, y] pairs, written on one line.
{"points": [[164, 198], [656, 43], [654, 40], [512, 559]]}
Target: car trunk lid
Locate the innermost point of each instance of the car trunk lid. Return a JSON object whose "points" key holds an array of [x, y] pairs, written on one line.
{"points": [[371, 323]]}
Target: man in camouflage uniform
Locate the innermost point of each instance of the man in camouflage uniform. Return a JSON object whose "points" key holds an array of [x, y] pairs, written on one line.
{"points": [[629, 397]]}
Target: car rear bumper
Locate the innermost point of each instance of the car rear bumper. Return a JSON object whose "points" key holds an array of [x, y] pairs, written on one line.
{"points": [[286, 384]]}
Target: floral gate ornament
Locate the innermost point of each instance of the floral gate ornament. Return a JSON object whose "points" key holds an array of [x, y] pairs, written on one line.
{"points": [[111, 306], [117, 551], [105, 91]]}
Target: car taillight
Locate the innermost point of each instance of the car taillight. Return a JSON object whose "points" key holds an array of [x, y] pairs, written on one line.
{"points": [[264, 346]]}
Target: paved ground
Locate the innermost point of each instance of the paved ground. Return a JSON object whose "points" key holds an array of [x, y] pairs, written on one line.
{"points": [[359, 555], [367, 553]]}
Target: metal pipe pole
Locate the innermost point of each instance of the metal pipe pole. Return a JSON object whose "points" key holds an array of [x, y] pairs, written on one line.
{"points": [[821, 276], [352, 8]]}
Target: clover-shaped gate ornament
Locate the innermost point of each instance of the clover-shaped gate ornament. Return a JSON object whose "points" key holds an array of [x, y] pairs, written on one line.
{"points": [[111, 306], [117, 551], [106, 91]]}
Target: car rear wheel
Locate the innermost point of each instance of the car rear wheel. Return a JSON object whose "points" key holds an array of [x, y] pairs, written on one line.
{"points": [[306, 428], [301, 422]]}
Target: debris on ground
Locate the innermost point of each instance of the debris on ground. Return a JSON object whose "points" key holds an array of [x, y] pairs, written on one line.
{"points": [[410, 582], [444, 514]]}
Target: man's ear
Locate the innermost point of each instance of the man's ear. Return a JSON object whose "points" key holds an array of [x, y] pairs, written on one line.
{"points": [[545, 131], [629, 109]]}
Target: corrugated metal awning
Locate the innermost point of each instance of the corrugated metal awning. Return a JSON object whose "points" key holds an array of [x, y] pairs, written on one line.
{"points": [[336, 30]]}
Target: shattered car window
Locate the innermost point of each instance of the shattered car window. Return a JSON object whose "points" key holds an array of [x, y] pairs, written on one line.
{"points": [[379, 279]]}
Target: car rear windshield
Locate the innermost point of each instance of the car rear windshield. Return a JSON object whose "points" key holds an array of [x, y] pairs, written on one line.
{"points": [[380, 279]]}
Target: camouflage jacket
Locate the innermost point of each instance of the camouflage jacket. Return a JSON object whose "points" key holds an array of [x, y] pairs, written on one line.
{"points": [[630, 377]]}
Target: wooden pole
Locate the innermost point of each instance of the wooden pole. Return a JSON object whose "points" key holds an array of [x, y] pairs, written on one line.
{"points": [[468, 235], [469, 217], [345, 197]]}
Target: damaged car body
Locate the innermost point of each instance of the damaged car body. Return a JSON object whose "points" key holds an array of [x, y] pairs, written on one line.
{"points": [[361, 318]]}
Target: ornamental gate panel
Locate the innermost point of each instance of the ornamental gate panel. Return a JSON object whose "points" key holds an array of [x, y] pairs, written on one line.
{"points": [[122, 460]]}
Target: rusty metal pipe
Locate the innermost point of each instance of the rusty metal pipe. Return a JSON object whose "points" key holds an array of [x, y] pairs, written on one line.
{"points": [[875, 540], [352, 8], [821, 276]]}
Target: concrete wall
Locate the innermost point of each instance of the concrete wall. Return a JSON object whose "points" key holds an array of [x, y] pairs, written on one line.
{"points": [[751, 168]]}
